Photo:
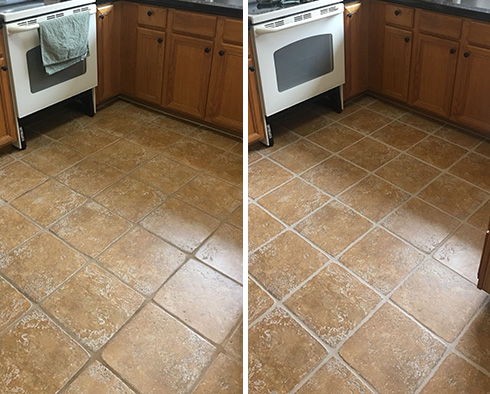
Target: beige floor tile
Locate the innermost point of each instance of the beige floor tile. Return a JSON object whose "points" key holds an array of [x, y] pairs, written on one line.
{"points": [[365, 121], [294, 200], [387, 109], [5, 157], [175, 124], [282, 138], [335, 137], [225, 376], [474, 169], [118, 125], [381, 259], [369, 154], [142, 260], [421, 122], [334, 227], [15, 229], [454, 196], [334, 377], [90, 228], [462, 252], [12, 304], [224, 251], [152, 137], [420, 224], [141, 113], [234, 345], [452, 303], [204, 299], [90, 176], [48, 202], [238, 149], [164, 174], [17, 178], [157, 354], [236, 218], [349, 109], [408, 173], [130, 198], [475, 343], [374, 198], [305, 122], [215, 138], [258, 301], [40, 265], [300, 156], [181, 224], [88, 140], [399, 135], [53, 158], [261, 227], [124, 155], [49, 358], [365, 100], [212, 195], [484, 148], [229, 167], [93, 306], [437, 152], [271, 344], [263, 176], [334, 175], [397, 361], [456, 376], [96, 378], [480, 219], [344, 303], [202, 154], [458, 136], [284, 263]]}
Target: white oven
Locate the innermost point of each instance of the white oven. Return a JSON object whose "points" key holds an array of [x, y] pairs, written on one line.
{"points": [[300, 54], [33, 88]]}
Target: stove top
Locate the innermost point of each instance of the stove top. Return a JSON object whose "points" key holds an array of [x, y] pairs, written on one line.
{"points": [[265, 10]]}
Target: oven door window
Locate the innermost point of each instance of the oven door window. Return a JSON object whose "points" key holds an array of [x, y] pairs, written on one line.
{"points": [[303, 61], [40, 80]]}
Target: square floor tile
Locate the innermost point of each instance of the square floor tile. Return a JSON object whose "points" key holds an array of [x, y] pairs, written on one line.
{"points": [[381, 259], [365, 121], [334, 175], [452, 302], [481, 218], [90, 228], [408, 173], [5, 156], [420, 224], [282, 137], [229, 167], [349, 109], [152, 137], [204, 299], [454, 196], [156, 353], [224, 251], [474, 169], [225, 376], [212, 195], [234, 346], [396, 361], [462, 252], [369, 154], [459, 137], [263, 176], [484, 148], [53, 158], [15, 229], [421, 122], [130, 198], [300, 155], [305, 122], [335, 137], [124, 155], [236, 218], [175, 124], [258, 301], [118, 125], [90, 176], [17, 178], [164, 174], [387, 109], [333, 303], [334, 227], [181, 224], [374, 198], [437, 152], [142, 260], [193, 153], [12, 304], [399, 135], [88, 140], [142, 114], [48, 360], [261, 227], [213, 137], [40, 265], [271, 343], [293, 201], [48, 202], [93, 306], [284, 263]]}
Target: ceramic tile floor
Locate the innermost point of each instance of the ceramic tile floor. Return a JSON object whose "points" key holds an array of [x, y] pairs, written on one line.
{"points": [[365, 234], [121, 256]]}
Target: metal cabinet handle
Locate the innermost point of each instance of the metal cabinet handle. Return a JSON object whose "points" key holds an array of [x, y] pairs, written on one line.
{"points": [[221, 53], [349, 15], [207, 50], [407, 39], [452, 51], [149, 13], [160, 40], [252, 68], [5, 68], [101, 16], [397, 12], [466, 54]]}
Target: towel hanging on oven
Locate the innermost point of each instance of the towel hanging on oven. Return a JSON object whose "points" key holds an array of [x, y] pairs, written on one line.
{"points": [[64, 41]]}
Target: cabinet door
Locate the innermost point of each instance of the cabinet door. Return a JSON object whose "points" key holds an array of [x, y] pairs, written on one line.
{"points": [[471, 104], [188, 68], [8, 129], [396, 62], [433, 72], [225, 99], [149, 64], [484, 271], [256, 126]]}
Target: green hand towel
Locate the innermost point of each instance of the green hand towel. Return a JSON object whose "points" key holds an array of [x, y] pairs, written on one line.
{"points": [[64, 41]]}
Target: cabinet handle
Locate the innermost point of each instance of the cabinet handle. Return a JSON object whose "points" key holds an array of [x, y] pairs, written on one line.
{"points": [[149, 13], [207, 50], [101, 16], [252, 68], [466, 54], [160, 40], [452, 51], [349, 15], [397, 12], [407, 39], [221, 53], [5, 68]]}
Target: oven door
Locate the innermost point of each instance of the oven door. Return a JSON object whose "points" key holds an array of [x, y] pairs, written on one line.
{"points": [[33, 88], [300, 56]]}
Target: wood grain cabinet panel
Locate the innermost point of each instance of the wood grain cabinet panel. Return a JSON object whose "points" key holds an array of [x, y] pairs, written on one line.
{"points": [[399, 16], [256, 126], [8, 128], [153, 17], [484, 271], [439, 25]]}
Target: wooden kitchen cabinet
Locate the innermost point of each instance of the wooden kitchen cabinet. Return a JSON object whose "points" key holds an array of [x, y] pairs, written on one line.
{"points": [[484, 271], [8, 127], [256, 125]]}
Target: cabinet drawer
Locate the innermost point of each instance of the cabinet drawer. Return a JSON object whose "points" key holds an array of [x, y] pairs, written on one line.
{"points": [[233, 31], [440, 25], [152, 16], [191, 23], [399, 16], [479, 34]]}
